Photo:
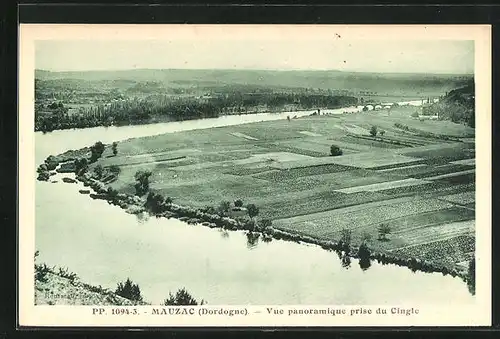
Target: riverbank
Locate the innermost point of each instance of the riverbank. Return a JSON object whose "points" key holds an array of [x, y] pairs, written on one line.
{"points": [[159, 206]]}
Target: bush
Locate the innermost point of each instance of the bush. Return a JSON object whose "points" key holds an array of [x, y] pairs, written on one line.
{"points": [[42, 168], [335, 150], [181, 297], [142, 184], [81, 166], [129, 290], [41, 272], [112, 194], [238, 203], [43, 176], [51, 162], [209, 210], [155, 203]]}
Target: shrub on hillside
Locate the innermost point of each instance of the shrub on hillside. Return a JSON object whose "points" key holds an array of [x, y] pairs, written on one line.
{"points": [[65, 273], [223, 208]]}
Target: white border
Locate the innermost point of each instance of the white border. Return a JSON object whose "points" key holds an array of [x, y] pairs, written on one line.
{"points": [[448, 315]]}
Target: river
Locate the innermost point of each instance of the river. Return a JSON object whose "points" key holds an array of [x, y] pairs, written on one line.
{"points": [[104, 245]]}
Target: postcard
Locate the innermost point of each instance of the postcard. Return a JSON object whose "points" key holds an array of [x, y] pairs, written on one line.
{"points": [[254, 175]]}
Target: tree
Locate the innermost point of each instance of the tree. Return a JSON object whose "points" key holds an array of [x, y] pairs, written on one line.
{"points": [[266, 223], [155, 202], [224, 207], [96, 151], [181, 297], [209, 209], [81, 166], [346, 236], [373, 131], [129, 290], [383, 231], [98, 171], [112, 194], [335, 150], [115, 148], [142, 182], [364, 257], [252, 210], [238, 203]]}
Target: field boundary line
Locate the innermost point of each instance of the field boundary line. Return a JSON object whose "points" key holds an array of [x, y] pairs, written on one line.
{"points": [[426, 243], [351, 208], [451, 175]]}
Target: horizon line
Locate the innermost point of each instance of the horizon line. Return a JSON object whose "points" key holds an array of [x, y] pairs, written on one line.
{"points": [[252, 69]]}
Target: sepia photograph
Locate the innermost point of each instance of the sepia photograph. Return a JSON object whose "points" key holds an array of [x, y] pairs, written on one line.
{"points": [[224, 168]]}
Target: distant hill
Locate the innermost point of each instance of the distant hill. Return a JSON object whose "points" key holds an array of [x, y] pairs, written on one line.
{"points": [[463, 96], [394, 84]]}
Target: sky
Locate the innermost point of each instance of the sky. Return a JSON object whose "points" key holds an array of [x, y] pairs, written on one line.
{"points": [[405, 56]]}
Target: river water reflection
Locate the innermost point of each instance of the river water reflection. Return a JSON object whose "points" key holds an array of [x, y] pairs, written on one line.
{"points": [[105, 245]]}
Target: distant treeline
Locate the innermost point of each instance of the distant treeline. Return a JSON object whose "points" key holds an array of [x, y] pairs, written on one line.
{"points": [[140, 111], [457, 105]]}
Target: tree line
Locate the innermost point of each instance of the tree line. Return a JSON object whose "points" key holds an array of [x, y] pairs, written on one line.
{"points": [[140, 111]]}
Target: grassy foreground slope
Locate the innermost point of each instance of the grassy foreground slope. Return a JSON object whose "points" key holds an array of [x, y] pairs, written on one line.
{"points": [[419, 182]]}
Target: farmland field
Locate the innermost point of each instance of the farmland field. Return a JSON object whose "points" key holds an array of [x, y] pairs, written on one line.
{"points": [[422, 188]]}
